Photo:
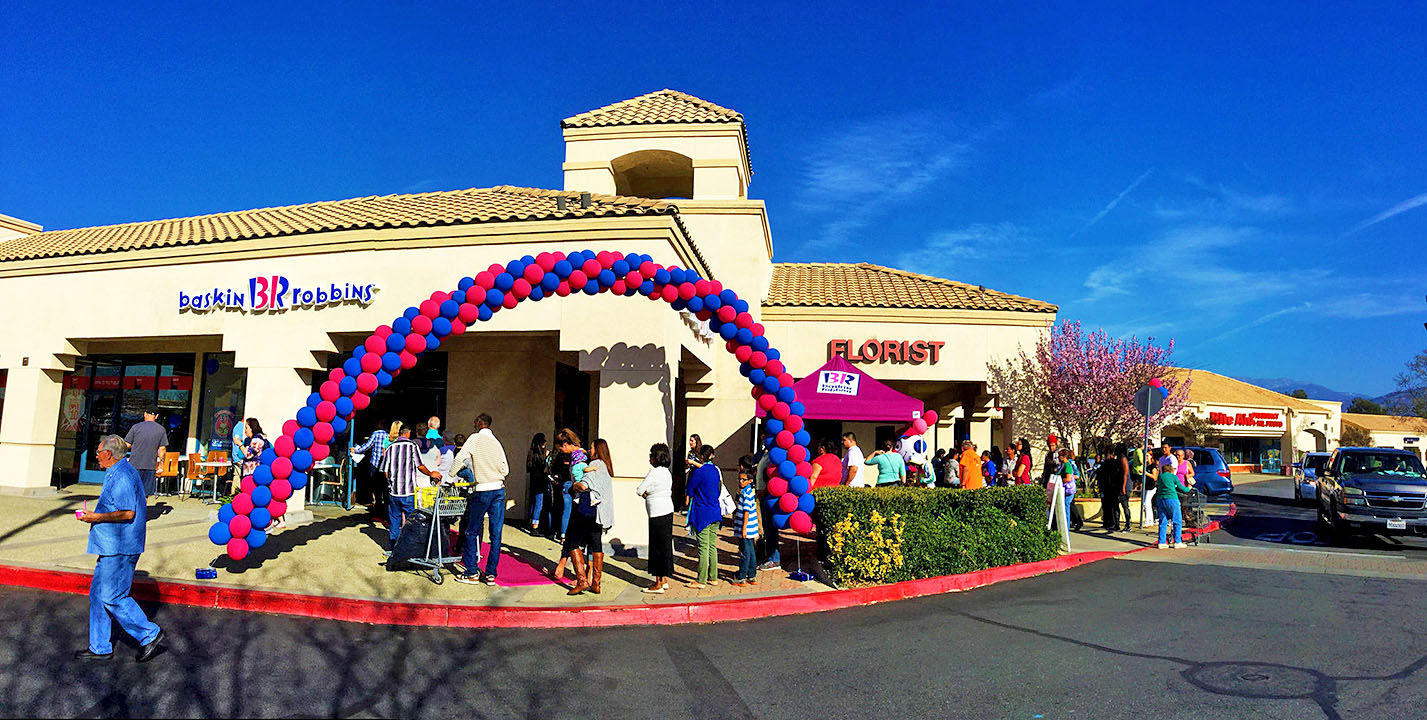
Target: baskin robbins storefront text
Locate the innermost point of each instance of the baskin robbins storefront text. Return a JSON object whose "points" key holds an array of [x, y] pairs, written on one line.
{"points": [[275, 293]]}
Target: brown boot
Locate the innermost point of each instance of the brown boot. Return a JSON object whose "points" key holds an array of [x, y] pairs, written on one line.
{"points": [[577, 558], [596, 571]]}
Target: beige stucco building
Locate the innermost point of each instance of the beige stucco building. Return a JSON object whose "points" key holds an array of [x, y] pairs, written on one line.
{"points": [[1258, 430], [1392, 431], [188, 320]]}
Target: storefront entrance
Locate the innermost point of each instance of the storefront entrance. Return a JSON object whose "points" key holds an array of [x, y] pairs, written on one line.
{"points": [[107, 395]]}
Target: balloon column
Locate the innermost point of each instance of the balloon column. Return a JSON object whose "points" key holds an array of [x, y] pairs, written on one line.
{"points": [[391, 349], [1158, 384]]}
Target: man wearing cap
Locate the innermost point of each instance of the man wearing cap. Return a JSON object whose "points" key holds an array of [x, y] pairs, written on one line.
{"points": [[147, 442], [1052, 459]]}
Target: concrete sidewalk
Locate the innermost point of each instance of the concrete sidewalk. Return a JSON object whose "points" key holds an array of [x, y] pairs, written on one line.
{"points": [[339, 555]]}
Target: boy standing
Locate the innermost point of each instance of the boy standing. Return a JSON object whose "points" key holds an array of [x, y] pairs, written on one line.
{"points": [[746, 524]]}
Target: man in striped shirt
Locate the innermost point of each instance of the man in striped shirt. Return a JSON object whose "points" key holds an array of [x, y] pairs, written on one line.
{"points": [[402, 464], [485, 458]]}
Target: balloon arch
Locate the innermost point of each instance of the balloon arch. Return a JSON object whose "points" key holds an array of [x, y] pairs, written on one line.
{"points": [[390, 349]]}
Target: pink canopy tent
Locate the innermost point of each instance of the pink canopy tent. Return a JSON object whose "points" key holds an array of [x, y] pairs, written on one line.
{"points": [[839, 391]]}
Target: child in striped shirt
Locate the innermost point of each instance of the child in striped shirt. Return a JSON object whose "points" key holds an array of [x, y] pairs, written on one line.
{"points": [[746, 524]]}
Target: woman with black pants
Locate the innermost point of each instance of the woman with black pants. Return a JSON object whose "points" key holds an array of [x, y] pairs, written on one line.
{"points": [[658, 493]]}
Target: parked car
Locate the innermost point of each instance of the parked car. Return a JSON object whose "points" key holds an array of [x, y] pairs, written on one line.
{"points": [[1211, 473], [1378, 490], [1305, 476]]}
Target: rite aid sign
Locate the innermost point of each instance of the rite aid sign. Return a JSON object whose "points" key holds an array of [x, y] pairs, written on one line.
{"points": [[275, 293], [1225, 418]]}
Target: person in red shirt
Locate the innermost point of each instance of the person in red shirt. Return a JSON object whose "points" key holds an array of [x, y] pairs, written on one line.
{"points": [[827, 466]]}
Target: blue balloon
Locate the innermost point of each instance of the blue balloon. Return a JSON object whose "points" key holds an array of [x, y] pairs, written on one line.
{"points": [[677, 275], [780, 519], [677, 305], [770, 384], [772, 353], [771, 503], [777, 455], [527, 259], [537, 293], [218, 533], [263, 474], [786, 394], [740, 305], [760, 343], [727, 296], [359, 351], [504, 282], [450, 309], [345, 406], [441, 327], [459, 297], [298, 480], [494, 298], [410, 313], [757, 376], [744, 336], [802, 437], [695, 304], [466, 283], [338, 424], [550, 282], [307, 417], [773, 426], [301, 460], [515, 268], [787, 468], [395, 342], [607, 277], [432, 342], [485, 313], [267, 457], [383, 377], [257, 538], [352, 367], [797, 408], [225, 514], [592, 287], [745, 369], [563, 268], [806, 503], [798, 485], [728, 331], [303, 438], [400, 326], [661, 276], [391, 362], [313, 400], [347, 385], [620, 267], [712, 302], [646, 288], [261, 497]]}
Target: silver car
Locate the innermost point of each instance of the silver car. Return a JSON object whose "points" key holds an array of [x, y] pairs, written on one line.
{"points": [[1305, 476]]}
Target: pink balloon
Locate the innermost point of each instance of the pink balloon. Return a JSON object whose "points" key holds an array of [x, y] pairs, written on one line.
{"points": [[281, 489], [325, 412], [726, 313], [367, 383], [521, 289], [788, 502], [421, 325], [780, 411], [290, 427], [767, 401], [510, 301], [618, 288], [440, 296], [371, 362], [919, 426], [546, 261], [774, 367], [323, 432], [284, 446], [793, 423], [382, 331], [282, 468], [633, 279], [247, 484], [758, 360], [278, 508], [414, 344], [743, 320], [319, 452], [469, 313], [669, 293], [687, 291], [336, 375], [485, 279], [375, 345], [797, 453], [784, 439], [408, 360], [777, 486], [930, 416], [361, 400], [800, 522], [430, 308], [240, 525], [237, 548], [534, 273], [329, 391], [743, 352], [785, 380], [457, 327], [804, 468]]}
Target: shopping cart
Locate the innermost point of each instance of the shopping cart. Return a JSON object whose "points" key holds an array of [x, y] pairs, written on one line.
{"points": [[1191, 506], [434, 505]]}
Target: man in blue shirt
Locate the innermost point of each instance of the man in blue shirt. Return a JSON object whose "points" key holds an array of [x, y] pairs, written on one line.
{"points": [[116, 535]]}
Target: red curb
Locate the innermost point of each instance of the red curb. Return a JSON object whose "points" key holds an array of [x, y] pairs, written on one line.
{"points": [[467, 616]]}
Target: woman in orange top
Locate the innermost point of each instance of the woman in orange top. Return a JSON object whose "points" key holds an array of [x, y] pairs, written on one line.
{"points": [[970, 466]]}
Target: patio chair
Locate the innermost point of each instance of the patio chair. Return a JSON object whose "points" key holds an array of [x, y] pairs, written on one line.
{"points": [[167, 470]]}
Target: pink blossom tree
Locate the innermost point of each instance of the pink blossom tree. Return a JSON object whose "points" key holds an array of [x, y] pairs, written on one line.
{"points": [[1082, 387]]}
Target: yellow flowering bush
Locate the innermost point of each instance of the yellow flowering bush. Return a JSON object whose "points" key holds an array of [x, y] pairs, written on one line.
{"points": [[869, 554]]}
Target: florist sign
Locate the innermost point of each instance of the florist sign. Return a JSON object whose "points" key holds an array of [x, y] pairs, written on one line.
{"points": [[275, 293]]}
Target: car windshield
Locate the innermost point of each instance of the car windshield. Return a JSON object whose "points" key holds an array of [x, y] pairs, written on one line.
{"points": [[1203, 457], [1381, 463], [1315, 462]]}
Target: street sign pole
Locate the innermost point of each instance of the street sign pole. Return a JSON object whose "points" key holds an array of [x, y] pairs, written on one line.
{"points": [[1148, 401]]}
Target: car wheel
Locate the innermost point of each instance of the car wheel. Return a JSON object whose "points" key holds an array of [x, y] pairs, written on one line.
{"points": [[1325, 525]]}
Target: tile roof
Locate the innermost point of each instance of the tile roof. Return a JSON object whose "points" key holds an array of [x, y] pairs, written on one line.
{"points": [[477, 205], [1208, 387], [867, 285], [659, 107], [1387, 423]]}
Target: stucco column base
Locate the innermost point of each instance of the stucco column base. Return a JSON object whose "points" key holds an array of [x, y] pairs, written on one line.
{"points": [[273, 396], [22, 491], [635, 411], [27, 434]]}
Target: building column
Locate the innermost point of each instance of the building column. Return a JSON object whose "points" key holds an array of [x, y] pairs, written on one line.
{"points": [[978, 420], [27, 432], [273, 396], [636, 410]]}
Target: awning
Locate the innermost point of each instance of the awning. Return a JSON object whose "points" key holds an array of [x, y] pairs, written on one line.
{"points": [[839, 391]]}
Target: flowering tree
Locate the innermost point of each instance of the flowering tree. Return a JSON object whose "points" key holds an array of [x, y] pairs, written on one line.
{"points": [[1083, 386]]}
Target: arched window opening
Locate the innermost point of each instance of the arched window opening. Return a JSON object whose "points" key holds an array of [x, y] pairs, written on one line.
{"points": [[654, 174]]}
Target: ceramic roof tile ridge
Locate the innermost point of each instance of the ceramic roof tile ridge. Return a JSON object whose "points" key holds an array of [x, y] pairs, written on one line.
{"points": [[1213, 388], [660, 106], [1387, 423], [869, 285], [502, 203]]}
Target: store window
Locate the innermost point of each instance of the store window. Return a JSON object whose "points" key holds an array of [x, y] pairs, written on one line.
{"points": [[108, 394], [1240, 451], [220, 408]]}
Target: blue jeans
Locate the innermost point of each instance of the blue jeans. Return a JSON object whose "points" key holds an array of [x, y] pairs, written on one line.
{"points": [[150, 483], [109, 595], [481, 504], [747, 559], [398, 509], [770, 540], [1069, 504], [536, 507], [566, 504], [1168, 509]]}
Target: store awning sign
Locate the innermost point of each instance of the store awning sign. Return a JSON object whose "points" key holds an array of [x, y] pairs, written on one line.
{"points": [[1267, 419], [834, 382], [275, 293]]}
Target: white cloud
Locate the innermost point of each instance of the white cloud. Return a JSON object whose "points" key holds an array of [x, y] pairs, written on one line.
{"points": [[1219, 203], [1362, 305], [1394, 211]]}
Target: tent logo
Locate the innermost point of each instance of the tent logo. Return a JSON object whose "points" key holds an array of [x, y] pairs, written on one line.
{"points": [[836, 382]]}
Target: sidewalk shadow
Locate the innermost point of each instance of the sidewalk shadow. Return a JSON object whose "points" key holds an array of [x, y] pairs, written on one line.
{"points": [[294, 538], [41, 519]]}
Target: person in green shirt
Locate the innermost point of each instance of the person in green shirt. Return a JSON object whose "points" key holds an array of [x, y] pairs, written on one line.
{"points": [[1166, 502], [891, 469]]}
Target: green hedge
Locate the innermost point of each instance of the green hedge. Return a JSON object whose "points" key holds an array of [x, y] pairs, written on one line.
{"points": [[946, 532]]}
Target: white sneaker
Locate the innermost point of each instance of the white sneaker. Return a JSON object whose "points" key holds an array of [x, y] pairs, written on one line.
{"points": [[1179, 546], [1163, 546]]}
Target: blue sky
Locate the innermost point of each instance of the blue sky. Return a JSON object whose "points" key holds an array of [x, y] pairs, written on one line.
{"points": [[1248, 181]]}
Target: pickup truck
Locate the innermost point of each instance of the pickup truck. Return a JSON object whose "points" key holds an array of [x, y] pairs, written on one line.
{"points": [[1373, 490]]}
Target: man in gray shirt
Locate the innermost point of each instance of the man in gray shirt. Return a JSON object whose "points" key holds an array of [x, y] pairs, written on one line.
{"points": [[147, 443]]}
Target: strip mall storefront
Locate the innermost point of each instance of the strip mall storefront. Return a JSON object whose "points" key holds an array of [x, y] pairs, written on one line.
{"points": [[234, 315], [1258, 430]]}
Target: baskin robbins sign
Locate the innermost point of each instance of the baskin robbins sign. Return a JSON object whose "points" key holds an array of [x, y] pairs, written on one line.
{"points": [[275, 293]]}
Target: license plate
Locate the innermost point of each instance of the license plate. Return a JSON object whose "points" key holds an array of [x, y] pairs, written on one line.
{"points": [[1396, 524]]}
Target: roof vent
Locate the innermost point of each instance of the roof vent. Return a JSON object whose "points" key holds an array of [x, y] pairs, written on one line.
{"points": [[560, 202], [584, 201]]}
